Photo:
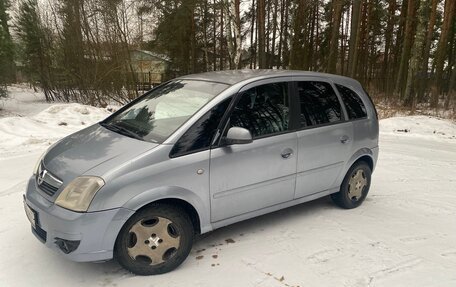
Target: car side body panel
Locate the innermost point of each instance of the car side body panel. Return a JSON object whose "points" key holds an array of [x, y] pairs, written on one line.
{"points": [[239, 181], [319, 171], [155, 176]]}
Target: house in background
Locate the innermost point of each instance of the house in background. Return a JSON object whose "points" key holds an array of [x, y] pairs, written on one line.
{"points": [[150, 68]]}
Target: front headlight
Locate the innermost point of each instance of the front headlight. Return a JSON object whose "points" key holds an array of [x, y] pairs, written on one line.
{"points": [[78, 195]]}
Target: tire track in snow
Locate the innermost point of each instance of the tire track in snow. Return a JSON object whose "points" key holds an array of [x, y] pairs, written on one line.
{"points": [[397, 268]]}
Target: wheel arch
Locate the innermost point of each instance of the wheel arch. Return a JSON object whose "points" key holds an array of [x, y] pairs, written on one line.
{"points": [[176, 196], [367, 159], [182, 204], [364, 154]]}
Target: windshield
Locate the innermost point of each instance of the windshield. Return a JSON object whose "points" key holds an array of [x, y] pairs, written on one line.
{"points": [[161, 112]]}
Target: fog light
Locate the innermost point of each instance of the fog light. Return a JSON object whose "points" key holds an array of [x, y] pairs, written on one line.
{"points": [[67, 246]]}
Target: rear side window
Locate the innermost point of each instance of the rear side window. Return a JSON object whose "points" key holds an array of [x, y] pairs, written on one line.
{"points": [[319, 103], [353, 103], [200, 135]]}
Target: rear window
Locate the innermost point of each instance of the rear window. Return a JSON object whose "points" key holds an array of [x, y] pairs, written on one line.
{"points": [[353, 103], [319, 103]]}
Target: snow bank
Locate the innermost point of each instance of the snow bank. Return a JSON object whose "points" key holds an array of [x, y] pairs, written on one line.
{"points": [[20, 134], [22, 101], [420, 126]]}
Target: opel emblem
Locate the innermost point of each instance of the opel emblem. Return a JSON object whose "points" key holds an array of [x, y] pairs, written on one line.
{"points": [[41, 176]]}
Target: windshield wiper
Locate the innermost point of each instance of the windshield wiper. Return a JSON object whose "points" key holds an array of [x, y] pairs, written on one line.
{"points": [[121, 130]]}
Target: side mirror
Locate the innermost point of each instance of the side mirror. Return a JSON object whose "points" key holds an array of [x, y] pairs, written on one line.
{"points": [[237, 135]]}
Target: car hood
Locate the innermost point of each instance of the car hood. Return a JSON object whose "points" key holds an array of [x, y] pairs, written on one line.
{"points": [[90, 148]]}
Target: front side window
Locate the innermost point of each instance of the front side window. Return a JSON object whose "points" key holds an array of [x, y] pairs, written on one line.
{"points": [[319, 103], [263, 110], [353, 103], [200, 135], [156, 116]]}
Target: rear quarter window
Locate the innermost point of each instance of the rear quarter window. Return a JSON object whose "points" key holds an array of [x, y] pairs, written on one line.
{"points": [[352, 102]]}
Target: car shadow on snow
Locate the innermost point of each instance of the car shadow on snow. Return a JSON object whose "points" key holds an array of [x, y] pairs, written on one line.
{"points": [[273, 222]]}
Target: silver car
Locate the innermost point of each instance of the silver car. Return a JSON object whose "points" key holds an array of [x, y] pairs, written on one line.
{"points": [[198, 153]]}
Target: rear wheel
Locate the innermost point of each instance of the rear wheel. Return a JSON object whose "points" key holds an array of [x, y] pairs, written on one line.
{"points": [[154, 240], [354, 187]]}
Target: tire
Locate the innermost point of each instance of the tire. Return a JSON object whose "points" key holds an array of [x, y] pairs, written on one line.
{"points": [[354, 187], [154, 240]]}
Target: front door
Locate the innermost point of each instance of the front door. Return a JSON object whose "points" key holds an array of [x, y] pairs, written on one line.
{"points": [[248, 177]]}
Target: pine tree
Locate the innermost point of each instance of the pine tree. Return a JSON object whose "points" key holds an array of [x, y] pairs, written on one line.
{"points": [[261, 16], [442, 52], [6, 49], [416, 57], [355, 24], [406, 45], [333, 48], [427, 50]]}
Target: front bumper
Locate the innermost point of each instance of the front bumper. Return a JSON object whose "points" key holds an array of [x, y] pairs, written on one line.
{"points": [[95, 231]]}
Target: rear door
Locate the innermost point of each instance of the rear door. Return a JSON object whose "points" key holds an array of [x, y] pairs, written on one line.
{"points": [[249, 177], [324, 137]]}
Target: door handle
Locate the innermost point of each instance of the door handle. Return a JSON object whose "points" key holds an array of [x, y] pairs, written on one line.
{"points": [[287, 153], [344, 139]]}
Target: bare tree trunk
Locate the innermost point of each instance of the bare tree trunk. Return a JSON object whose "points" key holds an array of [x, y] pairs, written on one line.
{"points": [[416, 58], [452, 72], [282, 28], [221, 37], [298, 41], [252, 40], [193, 41], [337, 15], [343, 42], [362, 44], [206, 54], [451, 88], [272, 62], [234, 33], [441, 52], [285, 50], [214, 52], [399, 41], [268, 33], [311, 50], [388, 42], [237, 29], [427, 48], [407, 45], [229, 13], [261, 16]]}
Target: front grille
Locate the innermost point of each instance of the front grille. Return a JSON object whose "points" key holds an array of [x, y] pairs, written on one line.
{"points": [[47, 188], [47, 182], [42, 234]]}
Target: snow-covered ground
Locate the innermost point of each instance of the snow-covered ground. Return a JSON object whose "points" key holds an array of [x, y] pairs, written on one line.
{"points": [[404, 234], [22, 101]]}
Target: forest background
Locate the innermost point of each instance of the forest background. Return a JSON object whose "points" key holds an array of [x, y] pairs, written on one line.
{"points": [[403, 52]]}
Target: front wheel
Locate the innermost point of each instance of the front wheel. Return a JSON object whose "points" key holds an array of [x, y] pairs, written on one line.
{"points": [[155, 240], [354, 187]]}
